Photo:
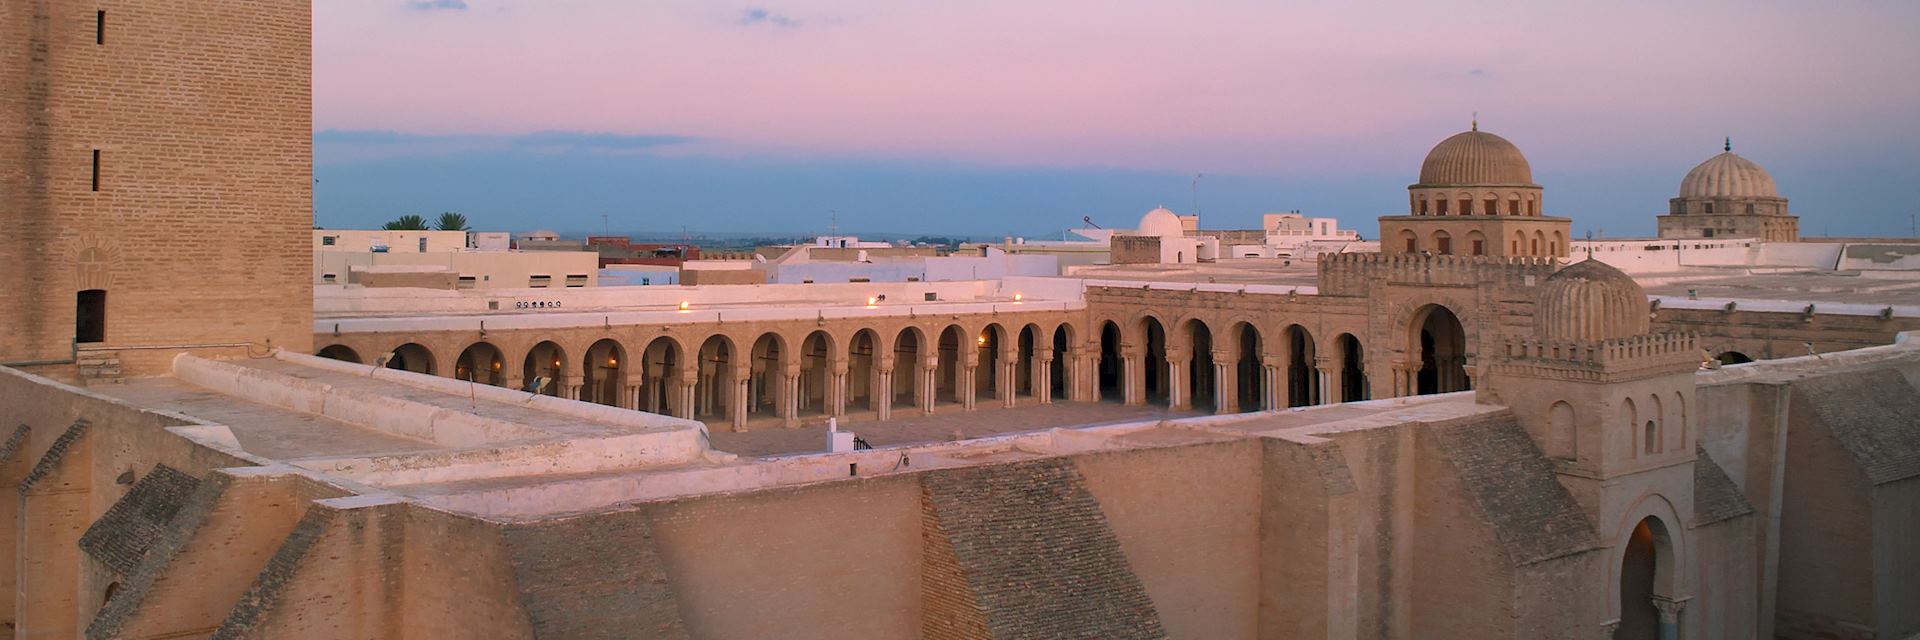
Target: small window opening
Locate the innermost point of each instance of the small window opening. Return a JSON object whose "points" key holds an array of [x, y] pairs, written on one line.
{"points": [[90, 317], [96, 169], [100, 27], [1653, 438], [329, 240]]}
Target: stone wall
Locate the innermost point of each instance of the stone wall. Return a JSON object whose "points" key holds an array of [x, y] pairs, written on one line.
{"points": [[1764, 335], [199, 115], [1188, 519], [1067, 578]]}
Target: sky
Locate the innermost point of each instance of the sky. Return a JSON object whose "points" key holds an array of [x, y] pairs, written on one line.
{"points": [[1014, 117]]}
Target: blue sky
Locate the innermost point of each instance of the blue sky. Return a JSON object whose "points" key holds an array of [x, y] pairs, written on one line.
{"points": [[999, 117]]}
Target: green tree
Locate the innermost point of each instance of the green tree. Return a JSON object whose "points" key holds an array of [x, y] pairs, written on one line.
{"points": [[409, 222], [451, 221]]}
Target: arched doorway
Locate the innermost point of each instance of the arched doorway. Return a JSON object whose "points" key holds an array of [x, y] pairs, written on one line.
{"points": [[816, 373], [713, 393], [1249, 371], [1646, 579], [987, 374], [481, 362], [907, 367], [1154, 361], [946, 372], [659, 366], [602, 373], [339, 352], [862, 373], [545, 362], [763, 388], [1441, 344], [411, 357], [1023, 372], [1059, 373], [1353, 375], [1109, 372], [1200, 382], [1303, 380], [1733, 357]]}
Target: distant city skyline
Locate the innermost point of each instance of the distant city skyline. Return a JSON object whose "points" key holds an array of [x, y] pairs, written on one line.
{"points": [[1002, 118]]}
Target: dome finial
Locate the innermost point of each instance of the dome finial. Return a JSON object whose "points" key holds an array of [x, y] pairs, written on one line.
{"points": [[1729, 146], [1476, 121]]}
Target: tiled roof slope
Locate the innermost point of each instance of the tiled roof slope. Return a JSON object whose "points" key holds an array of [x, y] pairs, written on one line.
{"points": [[1715, 497], [120, 538], [1037, 553], [1875, 414], [1513, 485], [571, 590]]}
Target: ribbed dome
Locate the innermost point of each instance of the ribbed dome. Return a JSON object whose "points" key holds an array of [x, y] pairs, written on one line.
{"points": [[1590, 300], [1475, 158], [1161, 222], [1728, 176]]}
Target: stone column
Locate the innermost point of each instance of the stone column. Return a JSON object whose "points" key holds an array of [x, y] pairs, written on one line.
{"points": [[1006, 384], [1134, 379], [570, 388], [790, 393], [969, 383], [689, 380], [630, 392], [1273, 383], [837, 387], [1179, 387], [926, 386], [1226, 382], [742, 381], [1042, 377], [1669, 616], [1323, 368], [880, 392], [1092, 378]]}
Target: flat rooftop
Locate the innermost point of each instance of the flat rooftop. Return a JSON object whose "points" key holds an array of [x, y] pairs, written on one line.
{"points": [[1877, 288]]}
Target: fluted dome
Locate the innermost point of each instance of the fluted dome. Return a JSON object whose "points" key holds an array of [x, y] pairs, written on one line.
{"points": [[1590, 300], [1728, 176], [1160, 222], [1475, 158]]}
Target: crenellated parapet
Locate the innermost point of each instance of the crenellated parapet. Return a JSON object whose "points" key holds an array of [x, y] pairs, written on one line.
{"points": [[1616, 360], [1350, 274]]}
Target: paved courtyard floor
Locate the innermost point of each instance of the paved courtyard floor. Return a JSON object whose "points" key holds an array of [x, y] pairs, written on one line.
{"points": [[943, 425]]}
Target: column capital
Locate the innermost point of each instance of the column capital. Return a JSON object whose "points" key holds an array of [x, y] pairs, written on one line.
{"points": [[1669, 608], [1222, 356], [838, 366]]}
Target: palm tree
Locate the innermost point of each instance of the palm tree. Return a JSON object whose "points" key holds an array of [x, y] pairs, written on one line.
{"points": [[409, 222], [451, 221]]}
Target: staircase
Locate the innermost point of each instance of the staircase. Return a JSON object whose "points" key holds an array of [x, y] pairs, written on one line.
{"points": [[98, 367]]}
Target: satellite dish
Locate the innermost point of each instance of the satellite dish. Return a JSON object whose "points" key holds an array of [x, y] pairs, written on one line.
{"points": [[383, 360], [536, 384]]}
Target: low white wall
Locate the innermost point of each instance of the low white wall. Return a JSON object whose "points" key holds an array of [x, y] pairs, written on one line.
{"points": [[347, 301], [1811, 255]]}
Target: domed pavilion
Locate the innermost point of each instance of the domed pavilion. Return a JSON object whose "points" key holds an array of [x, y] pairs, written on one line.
{"points": [[1729, 197], [1476, 196]]}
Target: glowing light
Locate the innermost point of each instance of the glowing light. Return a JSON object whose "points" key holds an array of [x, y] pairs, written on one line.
{"points": [[684, 305], [1016, 297], [982, 340]]}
